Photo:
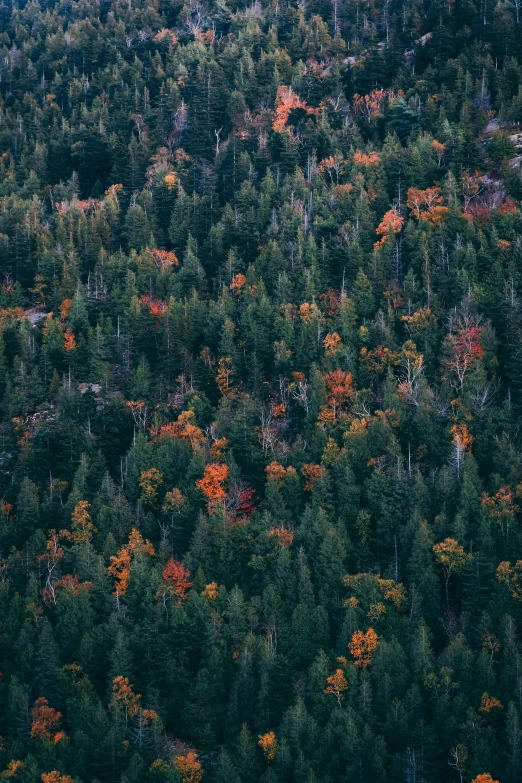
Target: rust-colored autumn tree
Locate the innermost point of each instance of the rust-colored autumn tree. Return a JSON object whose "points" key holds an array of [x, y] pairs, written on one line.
{"points": [[177, 579], [439, 149], [312, 474], [463, 349], [362, 646], [65, 308], [238, 283], [489, 703], [45, 722], [340, 389], [390, 225], [69, 341]]}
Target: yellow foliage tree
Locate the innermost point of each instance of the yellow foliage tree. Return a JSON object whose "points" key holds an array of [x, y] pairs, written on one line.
{"points": [[82, 524], [451, 557]]}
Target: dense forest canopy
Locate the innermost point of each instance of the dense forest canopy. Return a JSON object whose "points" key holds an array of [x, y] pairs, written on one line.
{"points": [[261, 391]]}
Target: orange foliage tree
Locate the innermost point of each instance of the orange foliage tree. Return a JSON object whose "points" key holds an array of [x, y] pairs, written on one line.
{"points": [[370, 587], [56, 777], [462, 438], [238, 283], [183, 428], [471, 185], [332, 344], [312, 474], [362, 646], [339, 391], [439, 149], [424, 203], [65, 308], [45, 722], [71, 585], [12, 769], [123, 695], [489, 703], [211, 591], [337, 685], [224, 376], [156, 306], [69, 341], [269, 745], [370, 106], [287, 101], [391, 224], [485, 777], [379, 360], [511, 576], [275, 472], [121, 563], [189, 767], [366, 161], [212, 484], [165, 259]]}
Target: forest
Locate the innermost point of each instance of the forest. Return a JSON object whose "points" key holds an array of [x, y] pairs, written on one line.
{"points": [[261, 391]]}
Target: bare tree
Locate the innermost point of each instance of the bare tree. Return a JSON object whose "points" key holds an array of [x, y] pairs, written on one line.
{"points": [[458, 758], [413, 771]]}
